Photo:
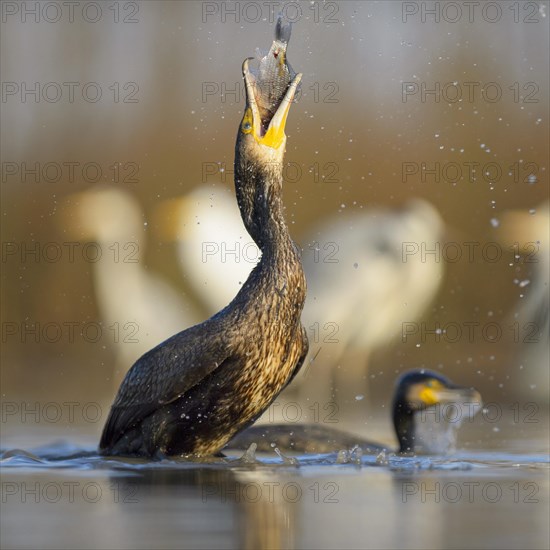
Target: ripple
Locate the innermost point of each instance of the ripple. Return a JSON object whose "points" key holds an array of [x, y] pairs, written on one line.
{"points": [[61, 455]]}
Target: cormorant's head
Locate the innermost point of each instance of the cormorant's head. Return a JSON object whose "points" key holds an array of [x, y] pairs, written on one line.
{"points": [[420, 390], [262, 135]]}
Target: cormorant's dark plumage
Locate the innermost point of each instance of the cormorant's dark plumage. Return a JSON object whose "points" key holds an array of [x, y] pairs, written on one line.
{"points": [[196, 390]]}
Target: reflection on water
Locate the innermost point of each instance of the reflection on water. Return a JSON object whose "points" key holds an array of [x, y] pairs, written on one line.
{"points": [[62, 496]]}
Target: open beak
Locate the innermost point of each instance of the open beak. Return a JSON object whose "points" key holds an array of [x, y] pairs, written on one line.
{"points": [[268, 132], [450, 394]]}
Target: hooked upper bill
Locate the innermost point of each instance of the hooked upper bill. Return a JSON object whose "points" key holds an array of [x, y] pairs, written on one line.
{"points": [[436, 392], [267, 129]]}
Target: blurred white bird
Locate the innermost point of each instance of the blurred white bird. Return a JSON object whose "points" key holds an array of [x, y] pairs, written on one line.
{"points": [[143, 307], [528, 233], [367, 275], [215, 252]]}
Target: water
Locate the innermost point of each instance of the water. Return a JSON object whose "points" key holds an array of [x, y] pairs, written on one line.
{"points": [[63, 495]]}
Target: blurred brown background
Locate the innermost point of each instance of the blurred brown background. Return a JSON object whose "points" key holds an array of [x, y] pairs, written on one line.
{"points": [[162, 110]]}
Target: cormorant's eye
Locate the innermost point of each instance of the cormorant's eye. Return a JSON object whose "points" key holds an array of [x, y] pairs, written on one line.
{"points": [[246, 125], [430, 384]]}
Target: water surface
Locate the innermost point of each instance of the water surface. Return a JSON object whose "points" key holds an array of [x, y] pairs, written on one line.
{"points": [[63, 495]]}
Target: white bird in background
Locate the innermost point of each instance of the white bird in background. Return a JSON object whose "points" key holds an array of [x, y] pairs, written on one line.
{"points": [[528, 233], [367, 275], [364, 280], [142, 309], [215, 252]]}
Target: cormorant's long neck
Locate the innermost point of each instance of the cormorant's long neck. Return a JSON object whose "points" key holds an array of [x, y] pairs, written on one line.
{"points": [[258, 185], [403, 422]]}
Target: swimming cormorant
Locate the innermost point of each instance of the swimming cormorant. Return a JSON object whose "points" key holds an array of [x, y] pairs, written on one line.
{"points": [[415, 391], [192, 393]]}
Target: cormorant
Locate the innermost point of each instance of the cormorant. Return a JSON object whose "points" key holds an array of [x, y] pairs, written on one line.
{"points": [[415, 391], [196, 390]]}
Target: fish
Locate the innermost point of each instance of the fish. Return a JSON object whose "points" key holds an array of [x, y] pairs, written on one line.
{"points": [[274, 74]]}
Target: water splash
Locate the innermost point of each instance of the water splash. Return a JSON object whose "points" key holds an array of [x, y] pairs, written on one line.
{"points": [[249, 456], [289, 460], [436, 428]]}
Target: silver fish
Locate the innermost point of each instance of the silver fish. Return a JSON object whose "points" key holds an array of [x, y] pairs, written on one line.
{"points": [[275, 73]]}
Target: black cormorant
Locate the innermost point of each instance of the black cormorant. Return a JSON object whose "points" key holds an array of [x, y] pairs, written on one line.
{"points": [[192, 393], [415, 391]]}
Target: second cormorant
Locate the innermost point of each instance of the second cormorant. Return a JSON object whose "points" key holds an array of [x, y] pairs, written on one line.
{"points": [[418, 425]]}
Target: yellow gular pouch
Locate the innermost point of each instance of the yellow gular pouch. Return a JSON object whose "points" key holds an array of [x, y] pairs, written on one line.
{"points": [[428, 394], [274, 136]]}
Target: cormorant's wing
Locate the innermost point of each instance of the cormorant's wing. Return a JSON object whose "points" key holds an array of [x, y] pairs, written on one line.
{"points": [[161, 376], [305, 350]]}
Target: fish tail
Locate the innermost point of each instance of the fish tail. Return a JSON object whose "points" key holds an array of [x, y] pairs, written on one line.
{"points": [[283, 28], [291, 71]]}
